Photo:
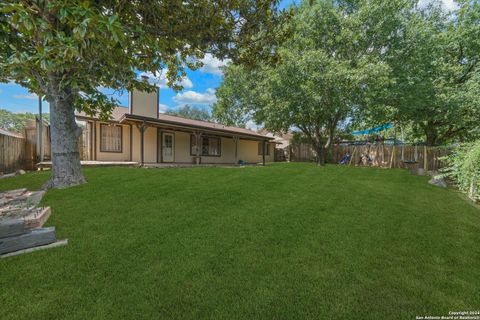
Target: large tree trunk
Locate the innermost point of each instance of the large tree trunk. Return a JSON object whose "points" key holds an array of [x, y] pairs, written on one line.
{"points": [[431, 134], [431, 138], [321, 153], [66, 168]]}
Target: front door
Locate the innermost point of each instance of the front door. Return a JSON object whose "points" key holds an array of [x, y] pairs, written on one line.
{"points": [[168, 146]]}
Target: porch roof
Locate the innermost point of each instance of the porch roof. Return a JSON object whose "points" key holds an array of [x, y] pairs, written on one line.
{"points": [[121, 115], [192, 125]]}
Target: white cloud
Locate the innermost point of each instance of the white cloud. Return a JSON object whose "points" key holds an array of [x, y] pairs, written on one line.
{"points": [[193, 97], [161, 80], [26, 96], [252, 125], [162, 108], [211, 90], [213, 65], [448, 5]]}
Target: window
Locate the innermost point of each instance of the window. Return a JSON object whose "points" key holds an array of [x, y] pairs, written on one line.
{"points": [[110, 138], [209, 146], [260, 147]]}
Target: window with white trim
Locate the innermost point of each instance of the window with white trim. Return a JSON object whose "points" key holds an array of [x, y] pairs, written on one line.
{"points": [[110, 138], [209, 146]]}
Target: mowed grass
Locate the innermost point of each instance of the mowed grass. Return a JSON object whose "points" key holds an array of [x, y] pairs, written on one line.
{"points": [[287, 241]]}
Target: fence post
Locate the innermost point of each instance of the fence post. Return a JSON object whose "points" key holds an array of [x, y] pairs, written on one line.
{"points": [[425, 158], [392, 158], [353, 155]]}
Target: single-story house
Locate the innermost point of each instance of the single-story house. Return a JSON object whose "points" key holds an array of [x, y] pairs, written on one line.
{"points": [[141, 134]]}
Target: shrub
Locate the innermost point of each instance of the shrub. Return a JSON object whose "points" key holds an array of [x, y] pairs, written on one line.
{"points": [[463, 167]]}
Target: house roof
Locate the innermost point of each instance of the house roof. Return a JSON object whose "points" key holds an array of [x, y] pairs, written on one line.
{"points": [[120, 114], [117, 113]]}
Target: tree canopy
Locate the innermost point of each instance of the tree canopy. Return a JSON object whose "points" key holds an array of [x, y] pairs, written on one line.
{"points": [[435, 75], [15, 122], [191, 112]]}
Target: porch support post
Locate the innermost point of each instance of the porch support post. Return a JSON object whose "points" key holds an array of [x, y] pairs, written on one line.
{"points": [[94, 140], [142, 129], [235, 139], [263, 153], [131, 144], [198, 136]]}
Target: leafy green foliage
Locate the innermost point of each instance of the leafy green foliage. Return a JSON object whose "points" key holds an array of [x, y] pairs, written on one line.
{"points": [[80, 46], [191, 112], [238, 95], [14, 121], [435, 75], [464, 169]]}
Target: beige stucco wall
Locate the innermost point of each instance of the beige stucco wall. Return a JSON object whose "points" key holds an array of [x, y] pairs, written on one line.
{"points": [[150, 145], [182, 147], [182, 150], [144, 103], [113, 156], [248, 151]]}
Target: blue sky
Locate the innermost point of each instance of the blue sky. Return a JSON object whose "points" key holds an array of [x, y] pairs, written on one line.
{"points": [[199, 88]]}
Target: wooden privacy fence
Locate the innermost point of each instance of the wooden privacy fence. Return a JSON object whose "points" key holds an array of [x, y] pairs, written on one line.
{"points": [[301, 152], [23, 151], [379, 155], [12, 153], [390, 156]]}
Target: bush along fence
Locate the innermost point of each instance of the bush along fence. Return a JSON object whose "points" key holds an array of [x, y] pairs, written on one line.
{"points": [[463, 167], [379, 155]]}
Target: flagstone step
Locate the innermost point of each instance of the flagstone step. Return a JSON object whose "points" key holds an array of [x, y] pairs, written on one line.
{"points": [[33, 238], [21, 221]]}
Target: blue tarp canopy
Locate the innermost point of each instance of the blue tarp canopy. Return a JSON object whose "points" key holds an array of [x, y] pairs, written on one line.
{"points": [[374, 130]]}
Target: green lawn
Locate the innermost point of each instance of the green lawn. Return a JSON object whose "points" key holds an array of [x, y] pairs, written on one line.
{"points": [[287, 241]]}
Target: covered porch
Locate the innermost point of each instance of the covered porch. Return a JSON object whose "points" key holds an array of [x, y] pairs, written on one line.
{"points": [[170, 140], [189, 144]]}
